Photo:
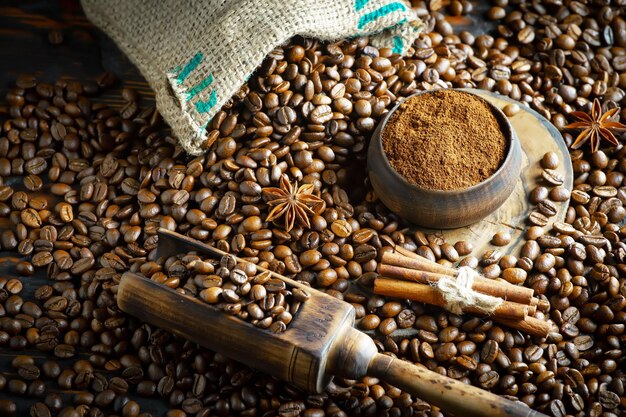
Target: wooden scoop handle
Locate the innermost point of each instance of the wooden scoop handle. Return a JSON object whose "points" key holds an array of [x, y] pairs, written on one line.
{"points": [[447, 393]]}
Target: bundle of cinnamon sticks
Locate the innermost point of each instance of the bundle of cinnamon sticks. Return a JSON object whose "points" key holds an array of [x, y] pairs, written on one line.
{"points": [[404, 274]]}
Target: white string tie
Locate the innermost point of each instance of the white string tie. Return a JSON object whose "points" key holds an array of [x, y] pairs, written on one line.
{"points": [[458, 293]]}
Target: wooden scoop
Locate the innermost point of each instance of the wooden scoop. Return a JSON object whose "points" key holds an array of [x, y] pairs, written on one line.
{"points": [[318, 344]]}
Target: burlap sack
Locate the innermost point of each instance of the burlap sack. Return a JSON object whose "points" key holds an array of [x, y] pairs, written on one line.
{"points": [[197, 53]]}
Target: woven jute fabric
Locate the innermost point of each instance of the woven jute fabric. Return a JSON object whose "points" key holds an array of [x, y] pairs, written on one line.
{"points": [[197, 53]]}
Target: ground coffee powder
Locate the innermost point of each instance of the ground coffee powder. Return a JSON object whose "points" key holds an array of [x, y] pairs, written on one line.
{"points": [[445, 140]]}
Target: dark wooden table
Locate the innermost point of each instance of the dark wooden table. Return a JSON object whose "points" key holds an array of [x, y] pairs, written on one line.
{"points": [[84, 54]]}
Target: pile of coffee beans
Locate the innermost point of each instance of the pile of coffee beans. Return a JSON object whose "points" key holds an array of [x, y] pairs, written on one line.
{"points": [[237, 288], [550, 191], [84, 188]]}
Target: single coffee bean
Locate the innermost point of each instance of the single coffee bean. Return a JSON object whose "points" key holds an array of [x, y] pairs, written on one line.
{"points": [[552, 177], [514, 275], [146, 388], [5, 192], [104, 398], [501, 239], [118, 385], [550, 160], [24, 268], [511, 110], [547, 208], [42, 259], [17, 387], [609, 399], [490, 351], [557, 409], [65, 212], [33, 183], [30, 218], [496, 13], [28, 372], [538, 219], [8, 408], [559, 194], [538, 194], [488, 379]]}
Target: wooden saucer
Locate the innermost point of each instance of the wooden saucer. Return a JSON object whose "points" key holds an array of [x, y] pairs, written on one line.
{"points": [[537, 136]]}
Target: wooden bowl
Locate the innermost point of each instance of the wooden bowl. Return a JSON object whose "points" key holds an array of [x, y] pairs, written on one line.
{"points": [[441, 209]]}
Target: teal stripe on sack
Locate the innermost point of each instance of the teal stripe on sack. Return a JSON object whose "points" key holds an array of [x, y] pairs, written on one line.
{"points": [[378, 13], [205, 106], [398, 45], [202, 129], [359, 4], [201, 86], [191, 65]]}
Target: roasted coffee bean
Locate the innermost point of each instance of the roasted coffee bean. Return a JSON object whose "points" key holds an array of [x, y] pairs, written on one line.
{"points": [[28, 372], [559, 194], [557, 409], [146, 388], [5, 192], [25, 268], [35, 166], [39, 409], [30, 218], [552, 177], [608, 399], [490, 351], [547, 208], [17, 387], [369, 322], [501, 239], [405, 319], [42, 259], [511, 110], [7, 407], [538, 219], [118, 385], [104, 398], [13, 286], [538, 194], [550, 160], [489, 379], [65, 212]]}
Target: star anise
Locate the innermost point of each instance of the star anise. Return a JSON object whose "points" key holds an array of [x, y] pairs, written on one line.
{"points": [[292, 203], [595, 127]]}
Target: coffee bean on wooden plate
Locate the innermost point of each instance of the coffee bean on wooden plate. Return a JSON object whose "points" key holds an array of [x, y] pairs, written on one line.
{"points": [[537, 218], [552, 177]]}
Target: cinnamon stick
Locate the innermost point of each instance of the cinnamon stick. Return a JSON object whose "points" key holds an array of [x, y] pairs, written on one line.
{"points": [[406, 252], [420, 263], [430, 295], [407, 274], [505, 291], [529, 325]]}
